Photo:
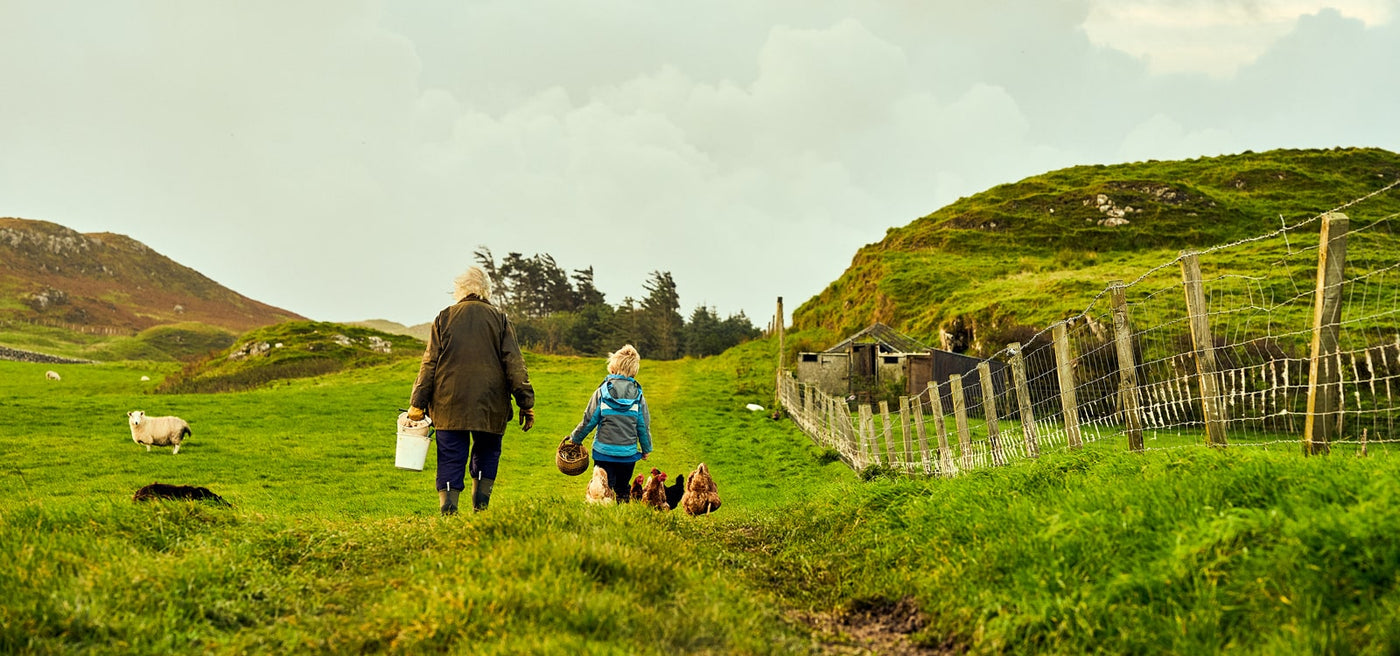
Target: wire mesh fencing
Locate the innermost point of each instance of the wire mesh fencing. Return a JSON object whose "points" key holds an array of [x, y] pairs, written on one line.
{"points": [[1287, 339]]}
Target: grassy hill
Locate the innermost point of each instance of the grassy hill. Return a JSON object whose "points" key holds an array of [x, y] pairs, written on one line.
{"points": [[328, 548], [1030, 252], [296, 349], [75, 290], [182, 342]]}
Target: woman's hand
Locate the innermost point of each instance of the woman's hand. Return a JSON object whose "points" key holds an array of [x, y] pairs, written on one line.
{"points": [[644, 456]]}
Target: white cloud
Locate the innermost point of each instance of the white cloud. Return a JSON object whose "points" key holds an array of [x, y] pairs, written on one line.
{"points": [[1211, 37], [344, 160], [1161, 137]]}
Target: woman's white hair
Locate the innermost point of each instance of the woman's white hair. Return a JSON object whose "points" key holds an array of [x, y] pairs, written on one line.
{"points": [[625, 362], [474, 281]]}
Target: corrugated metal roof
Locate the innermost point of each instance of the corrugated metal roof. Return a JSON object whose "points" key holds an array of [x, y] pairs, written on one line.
{"points": [[892, 340]]}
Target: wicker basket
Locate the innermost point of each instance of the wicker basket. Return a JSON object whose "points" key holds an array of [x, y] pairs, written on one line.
{"points": [[570, 458]]}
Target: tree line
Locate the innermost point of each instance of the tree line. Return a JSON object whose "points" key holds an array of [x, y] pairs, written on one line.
{"points": [[555, 311]]}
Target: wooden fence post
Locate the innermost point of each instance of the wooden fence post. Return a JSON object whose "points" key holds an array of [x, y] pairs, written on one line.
{"points": [[989, 412], [867, 433], [923, 435], [1023, 400], [960, 414], [778, 324], [908, 455], [852, 436], [940, 427], [1324, 380], [833, 429], [838, 433], [823, 418], [1069, 405], [1127, 367], [889, 431], [809, 409], [1212, 405]]}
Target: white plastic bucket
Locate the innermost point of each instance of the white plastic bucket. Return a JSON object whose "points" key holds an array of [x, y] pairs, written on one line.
{"points": [[413, 444]]}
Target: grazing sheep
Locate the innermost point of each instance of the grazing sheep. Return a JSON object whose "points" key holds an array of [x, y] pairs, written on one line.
{"points": [[145, 378], [158, 431], [52, 375]]}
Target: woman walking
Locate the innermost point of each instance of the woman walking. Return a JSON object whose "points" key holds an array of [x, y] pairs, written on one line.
{"points": [[471, 370]]}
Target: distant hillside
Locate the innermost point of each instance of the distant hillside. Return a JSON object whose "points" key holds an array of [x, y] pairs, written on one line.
{"points": [[104, 283], [1029, 253], [419, 331]]}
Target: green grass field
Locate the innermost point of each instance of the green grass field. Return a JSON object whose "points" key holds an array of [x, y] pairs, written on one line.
{"points": [[329, 548]]}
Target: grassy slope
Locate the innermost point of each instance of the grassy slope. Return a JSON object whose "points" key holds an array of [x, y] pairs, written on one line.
{"points": [[329, 548], [293, 349], [164, 343], [1031, 252]]}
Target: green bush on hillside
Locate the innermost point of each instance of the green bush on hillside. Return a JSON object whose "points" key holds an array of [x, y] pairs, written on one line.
{"points": [[298, 349], [168, 343]]}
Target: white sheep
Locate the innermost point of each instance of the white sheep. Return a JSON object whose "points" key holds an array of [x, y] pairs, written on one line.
{"points": [[52, 375], [158, 431]]}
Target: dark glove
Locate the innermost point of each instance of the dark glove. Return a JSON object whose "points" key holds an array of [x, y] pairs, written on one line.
{"points": [[527, 419], [415, 414]]}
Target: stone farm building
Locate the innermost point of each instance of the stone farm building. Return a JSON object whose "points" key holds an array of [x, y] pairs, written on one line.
{"points": [[880, 360]]}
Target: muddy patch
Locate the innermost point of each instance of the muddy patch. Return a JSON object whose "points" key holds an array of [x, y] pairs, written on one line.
{"points": [[872, 626]]}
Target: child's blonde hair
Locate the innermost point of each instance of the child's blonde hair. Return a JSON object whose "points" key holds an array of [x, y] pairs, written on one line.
{"points": [[625, 362]]}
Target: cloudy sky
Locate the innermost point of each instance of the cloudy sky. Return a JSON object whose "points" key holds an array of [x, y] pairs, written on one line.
{"points": [[343, 159]]}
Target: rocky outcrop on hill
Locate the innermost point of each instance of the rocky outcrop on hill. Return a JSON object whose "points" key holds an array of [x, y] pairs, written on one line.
{"points": [[54, 275]]}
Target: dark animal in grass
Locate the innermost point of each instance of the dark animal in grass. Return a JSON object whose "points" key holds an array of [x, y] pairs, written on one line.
{"points": [[675, 491], [636, 492], [167, 491]]}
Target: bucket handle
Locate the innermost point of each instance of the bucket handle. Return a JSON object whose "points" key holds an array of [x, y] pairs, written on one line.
{"points": [[432, 428]]}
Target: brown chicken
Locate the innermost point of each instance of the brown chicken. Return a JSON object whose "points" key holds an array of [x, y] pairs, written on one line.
{"points": [[701, 496], [598, 490], [653, 493], [636, 489]]}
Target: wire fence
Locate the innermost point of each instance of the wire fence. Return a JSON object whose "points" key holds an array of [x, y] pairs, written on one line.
{"points": [[1301, 350]]}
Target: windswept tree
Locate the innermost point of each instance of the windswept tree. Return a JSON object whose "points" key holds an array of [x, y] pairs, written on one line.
{"points": [[629, 328], [532, 287], [706, 334], [702, 333], [585, 293], [559, 312], [593, 328], [594, 322], [661, 317]]}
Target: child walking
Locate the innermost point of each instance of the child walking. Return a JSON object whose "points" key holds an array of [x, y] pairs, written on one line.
{"points": [[618, 411]]}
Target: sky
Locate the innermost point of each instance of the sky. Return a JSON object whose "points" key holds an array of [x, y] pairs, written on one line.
{"points": [[344, 159]]}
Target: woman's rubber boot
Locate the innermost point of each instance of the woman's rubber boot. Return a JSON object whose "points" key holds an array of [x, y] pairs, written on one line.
{"points": [[447, 501], [481, 493]]}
